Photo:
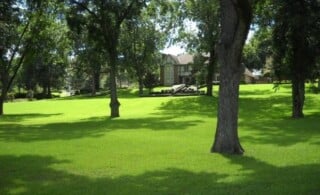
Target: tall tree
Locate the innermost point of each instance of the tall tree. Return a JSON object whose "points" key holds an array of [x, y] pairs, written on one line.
{"points": [[104, 20], [205, 14], [140, 44], [258, 49], [18, 20], [9, 21], [88, 60], [296, 42], [47, 56], [236, 16]]}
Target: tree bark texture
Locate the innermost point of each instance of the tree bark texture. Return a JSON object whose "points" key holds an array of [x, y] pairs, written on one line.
{"points": [[235, 22], [298, 91], [300, 62]]}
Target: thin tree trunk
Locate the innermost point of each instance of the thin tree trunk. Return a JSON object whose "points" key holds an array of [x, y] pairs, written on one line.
{"points": [[2, 99], [93, 85], [49, 95], [4, 91], [2, 68], [1, 106], [210, 70], [298, 91], [140, 81], [97, 80], [114, 103], [235, 22]]}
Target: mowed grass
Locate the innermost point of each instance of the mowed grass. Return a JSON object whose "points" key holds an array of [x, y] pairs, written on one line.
{"points": [[159, 146]]}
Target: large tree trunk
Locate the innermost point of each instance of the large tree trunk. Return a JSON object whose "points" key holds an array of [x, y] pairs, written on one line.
{"points": [[299, 63], [210, 70], [235, 22], [226, 138]]}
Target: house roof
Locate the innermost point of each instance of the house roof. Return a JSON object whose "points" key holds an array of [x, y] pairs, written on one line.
{"points": [[182, 59], [185, 59]]}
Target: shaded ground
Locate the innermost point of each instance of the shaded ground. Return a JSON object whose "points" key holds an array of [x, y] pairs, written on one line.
{"points": [[261, 178]]}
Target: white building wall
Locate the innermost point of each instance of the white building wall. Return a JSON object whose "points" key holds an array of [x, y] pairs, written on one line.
{"points": [[168, 74]]}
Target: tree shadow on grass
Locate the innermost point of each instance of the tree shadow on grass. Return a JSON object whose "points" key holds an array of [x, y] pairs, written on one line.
{"points": [[92, 127], [122, 94], [266, 118], [283, 131], [268, 121], [250, 92], [22, 117], [181, 107], [269, 179], [35, 175]]}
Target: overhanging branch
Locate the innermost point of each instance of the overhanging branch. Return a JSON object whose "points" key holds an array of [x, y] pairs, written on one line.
{"points": [[85, 8]]}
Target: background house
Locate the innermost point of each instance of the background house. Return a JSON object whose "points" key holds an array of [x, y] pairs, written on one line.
{"points": [[178, 70], [248, 76]]}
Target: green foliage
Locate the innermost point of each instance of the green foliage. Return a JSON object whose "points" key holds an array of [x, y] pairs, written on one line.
{"points": [[259, 48], [199, 68], [21, 22], [88, 62], [295, 38], [69, 146], [9, 20], [140, 44], [169, 17], [295, 43], [206, 15], [103, 19], [150, 81], [46, 60]]}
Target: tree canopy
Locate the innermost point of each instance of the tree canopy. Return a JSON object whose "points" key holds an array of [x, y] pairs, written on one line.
{"points": [[103, 19]]}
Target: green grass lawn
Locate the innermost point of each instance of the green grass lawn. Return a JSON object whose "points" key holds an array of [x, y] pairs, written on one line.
{"points": [[158, 146]]}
